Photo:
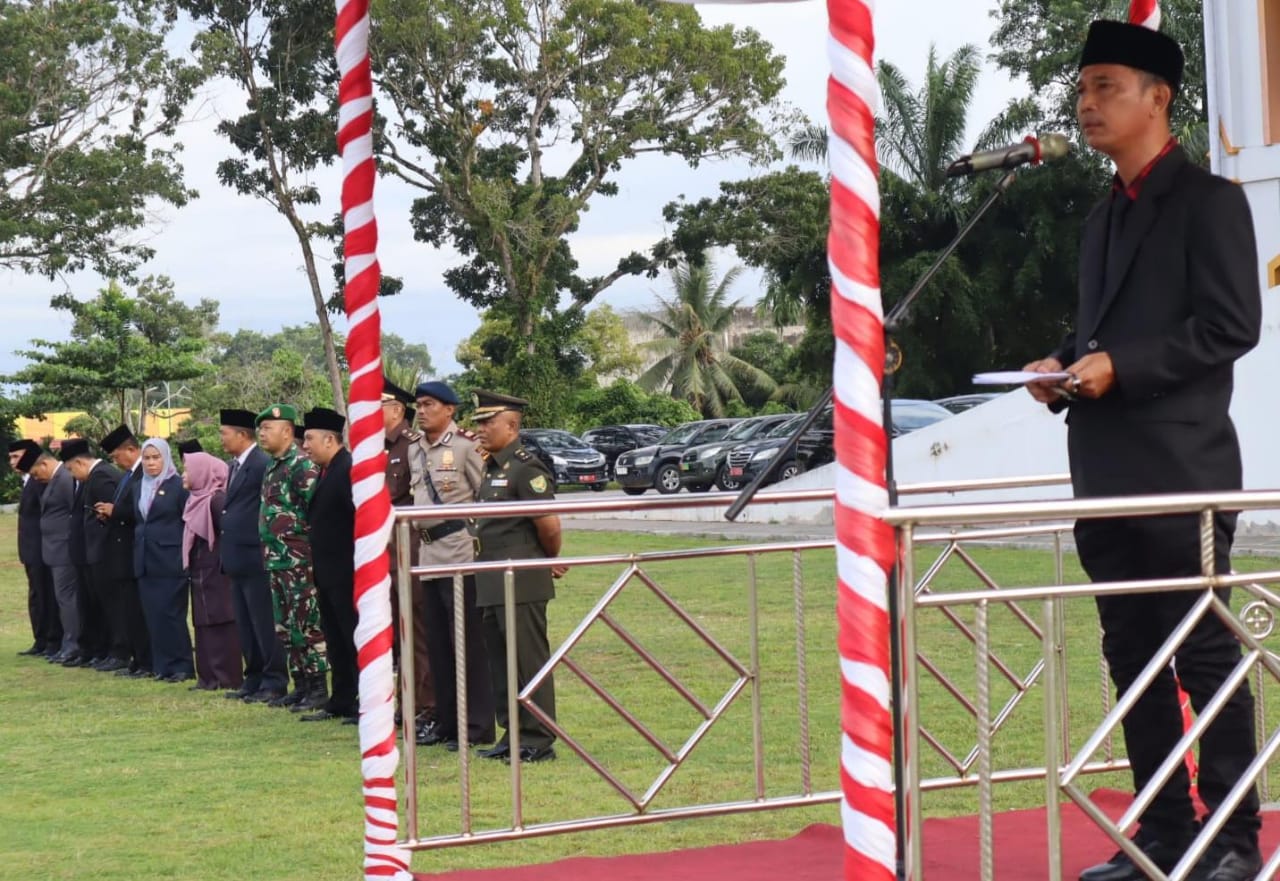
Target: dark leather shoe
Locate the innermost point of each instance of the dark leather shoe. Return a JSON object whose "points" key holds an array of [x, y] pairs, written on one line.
{"points": [[239, 694], [429, 734], [97, 662], [320, 715], [1121, 868], [36, 649], [1231, 865], [451, 745], [532, 754], [74, 659], [177, 677], [497, 751], [140, 673], [111, 665], [287, 700], [264, 696]]}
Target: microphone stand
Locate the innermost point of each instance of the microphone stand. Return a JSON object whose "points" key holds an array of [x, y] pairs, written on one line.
{"points": [[892, 322]]}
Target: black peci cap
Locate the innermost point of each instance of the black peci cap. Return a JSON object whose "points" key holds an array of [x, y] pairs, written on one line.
{"points": [[238, 419], [73, 447], [1136, 46], [324, 419], [120, 436], [189, 446]]}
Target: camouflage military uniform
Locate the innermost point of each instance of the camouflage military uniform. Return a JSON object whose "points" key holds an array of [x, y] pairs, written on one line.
{"points": [[287, 488]]}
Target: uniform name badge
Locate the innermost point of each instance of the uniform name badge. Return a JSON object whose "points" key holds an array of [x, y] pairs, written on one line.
{"points": [[498, 481]]}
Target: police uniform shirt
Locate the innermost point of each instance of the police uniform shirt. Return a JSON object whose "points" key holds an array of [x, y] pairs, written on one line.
{"points": [[513, 474], [455, 466], [398, 476]]}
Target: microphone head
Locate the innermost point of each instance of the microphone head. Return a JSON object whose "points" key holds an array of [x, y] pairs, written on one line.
{"points": [[1053, 146]]}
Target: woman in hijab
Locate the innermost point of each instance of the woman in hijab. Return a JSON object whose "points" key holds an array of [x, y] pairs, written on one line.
{"points": [[158, 563], [212, 609]]}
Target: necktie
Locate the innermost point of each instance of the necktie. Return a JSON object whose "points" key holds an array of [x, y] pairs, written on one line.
{"points": [[231, 475]]}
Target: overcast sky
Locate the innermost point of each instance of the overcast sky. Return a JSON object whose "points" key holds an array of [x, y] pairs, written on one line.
{"points": [[238, 251]]}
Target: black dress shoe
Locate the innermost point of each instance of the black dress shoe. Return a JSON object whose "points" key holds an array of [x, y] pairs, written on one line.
{"points": [[1225, 864], [264, 696], [98, 661], [176, 677], [112, 665], [532, 754], [1121, 868], [497, 751], [36, 649], [74, 659], [239, 694], [429, 734], [140, 673]]}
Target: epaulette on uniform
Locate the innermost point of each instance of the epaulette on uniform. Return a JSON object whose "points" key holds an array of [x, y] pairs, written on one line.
{"points": [[413, 436], [524, 455], [468, 434]]}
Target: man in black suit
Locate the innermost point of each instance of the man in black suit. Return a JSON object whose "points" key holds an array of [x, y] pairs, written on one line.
{"points": [[131, 642], [94, 484], [57, 511], [42, 606], [332, 516], [99, 481], [241, 551], [1169, 300]]}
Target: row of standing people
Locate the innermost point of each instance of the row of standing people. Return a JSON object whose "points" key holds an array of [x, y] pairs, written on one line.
{"points": [[263, 546]]}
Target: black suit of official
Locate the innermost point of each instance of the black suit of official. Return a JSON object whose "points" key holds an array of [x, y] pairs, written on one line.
{"points": [[162, 578], [1169, 289], [240, 549], [96, 595], [129, 639], [42, 605], [332, 515], [57, 513]]}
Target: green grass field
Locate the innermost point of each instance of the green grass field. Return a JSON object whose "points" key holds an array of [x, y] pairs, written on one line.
{"points": [[119, 780]]}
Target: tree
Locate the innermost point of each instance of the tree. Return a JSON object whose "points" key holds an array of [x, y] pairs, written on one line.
{"points": [[120, 347], [513, 118], [623, 401], [88, 101], [280, 53], [1041, 41], [694, 362]]}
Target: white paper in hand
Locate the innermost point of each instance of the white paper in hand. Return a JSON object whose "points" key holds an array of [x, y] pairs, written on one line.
{"points": [[1017, 377]]}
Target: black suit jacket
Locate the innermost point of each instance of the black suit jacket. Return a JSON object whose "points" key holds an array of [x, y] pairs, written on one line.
{"points": [[29, 522], [124, 515], [1180, 304], [332, 518], [56, 515], [238, 542], [157, 538], [99, 486]]}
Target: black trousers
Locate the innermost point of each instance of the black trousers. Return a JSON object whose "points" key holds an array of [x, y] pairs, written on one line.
{"points": [[164, 603], [95, 628], [42, 607], [129, 641], [264, 660], [532, 651], [438, 610], [1134, 627], [335, 598]]}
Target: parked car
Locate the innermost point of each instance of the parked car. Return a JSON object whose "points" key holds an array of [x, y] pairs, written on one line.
{"points": [[614, 440], [568, 458], [658, 466], [910, 414], [702, 465], [747, 460], [960, 403]]}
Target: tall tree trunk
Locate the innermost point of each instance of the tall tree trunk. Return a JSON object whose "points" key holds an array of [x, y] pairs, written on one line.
{"points": [[322, 315]]}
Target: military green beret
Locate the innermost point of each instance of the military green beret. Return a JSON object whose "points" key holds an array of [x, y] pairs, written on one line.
{"points": [[283, 412]]}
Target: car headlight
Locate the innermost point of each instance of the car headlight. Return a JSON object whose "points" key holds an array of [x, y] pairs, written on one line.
{"points": [[709, 453], [558, 460], [643, 460], [765, 454], [600, 460]]}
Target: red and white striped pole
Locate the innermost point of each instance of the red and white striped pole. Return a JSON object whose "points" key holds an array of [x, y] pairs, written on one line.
{"points": [[865, 545], [372, 596], [1145, 13]]}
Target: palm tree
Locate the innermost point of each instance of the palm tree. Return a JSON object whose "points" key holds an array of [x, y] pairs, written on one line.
{"points": [[694, 361]]}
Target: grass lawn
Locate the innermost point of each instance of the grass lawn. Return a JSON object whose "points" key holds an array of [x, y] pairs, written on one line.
{"points": [[119, 780]]}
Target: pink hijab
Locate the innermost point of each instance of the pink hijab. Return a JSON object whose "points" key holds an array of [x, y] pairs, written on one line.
{"points": [[206, 475]]}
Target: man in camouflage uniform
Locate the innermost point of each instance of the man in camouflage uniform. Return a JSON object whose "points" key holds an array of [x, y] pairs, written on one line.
{"points": [[511, 474], [447, 469], [398, 437], [287, 489]]}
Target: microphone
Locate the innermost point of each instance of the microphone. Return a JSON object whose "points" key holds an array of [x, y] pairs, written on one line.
{"points": [[1034, 150]]}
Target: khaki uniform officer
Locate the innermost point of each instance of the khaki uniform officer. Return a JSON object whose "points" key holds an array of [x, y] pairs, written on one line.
{"points": [[512, 473], [398, 436], [447, 468]]}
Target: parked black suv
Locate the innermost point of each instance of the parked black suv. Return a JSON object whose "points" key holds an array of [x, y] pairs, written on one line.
{"points": [[568, 458], [658, 466], [614, 440], [745, 461], [703, 465], [817, 445]]}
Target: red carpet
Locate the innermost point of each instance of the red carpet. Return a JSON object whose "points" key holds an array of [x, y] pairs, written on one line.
{"points": [[950, 853]]}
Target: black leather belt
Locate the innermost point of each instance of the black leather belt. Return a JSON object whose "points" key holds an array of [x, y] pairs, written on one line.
{"points": [[440, 530]]}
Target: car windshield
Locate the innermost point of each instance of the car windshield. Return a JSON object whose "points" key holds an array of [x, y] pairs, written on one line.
{"points": [[746, 429], [786, 428], [910, 415], [681, 434], [557, 440]]}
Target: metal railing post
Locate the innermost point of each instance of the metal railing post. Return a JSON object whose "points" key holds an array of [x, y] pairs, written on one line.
{"points": [[911, 712], [1055, 745], [460, 691], [408, 726], [802, 673], [757, 718], [513, 695], [981, 626]]}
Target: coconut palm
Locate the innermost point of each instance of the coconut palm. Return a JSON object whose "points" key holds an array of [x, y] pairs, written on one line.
{"points": [[694, 362]]}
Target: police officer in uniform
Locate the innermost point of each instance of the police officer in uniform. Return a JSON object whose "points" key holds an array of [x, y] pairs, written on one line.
{"points": [[447, 469], [399, 436], [512, 473]]}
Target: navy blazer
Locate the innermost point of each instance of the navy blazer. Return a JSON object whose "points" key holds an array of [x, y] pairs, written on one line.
{"points": [[157, 538], [239, 545], [332, 516], [29, 522], [124, 516], [99, 486], [56, 510]]}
